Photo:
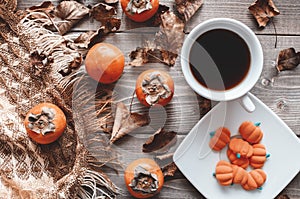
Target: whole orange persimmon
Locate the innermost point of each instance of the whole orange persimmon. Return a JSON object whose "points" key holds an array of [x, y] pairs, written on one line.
{"points": [[45, 123], [143, 178], [105, 63], [154, 87], [139, 10]]}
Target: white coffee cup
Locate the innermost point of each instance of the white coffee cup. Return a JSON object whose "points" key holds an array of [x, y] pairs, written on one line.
{"points": [[256, 62]]}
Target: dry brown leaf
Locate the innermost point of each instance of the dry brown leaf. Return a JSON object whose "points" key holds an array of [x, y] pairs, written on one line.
{"points": [[170, 37], [46, 7], [125, 122], [166, 46], [282, 196], [62, 18], [150, 53], [39, 63], [39, 11], [102, 11], [139, 56], [169, 170], [106, 14], [288, 59], [263, 11], [69, 13], [159, 140], [85, 39], [204, 105], [187, 8], [156, 19], [146, 54]]}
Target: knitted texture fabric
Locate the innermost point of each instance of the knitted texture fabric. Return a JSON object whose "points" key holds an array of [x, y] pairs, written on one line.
{"points": [[38, 66]]}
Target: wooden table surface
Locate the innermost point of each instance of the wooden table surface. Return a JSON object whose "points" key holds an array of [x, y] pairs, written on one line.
{"points": [[279, 91]]}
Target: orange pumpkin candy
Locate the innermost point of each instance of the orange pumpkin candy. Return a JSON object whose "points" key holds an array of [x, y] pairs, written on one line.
{"points": [[224, 173], [241, 162], [256, 178], [241, 148], [220, 138], [240, 175], [251, 132], [257, 160]]}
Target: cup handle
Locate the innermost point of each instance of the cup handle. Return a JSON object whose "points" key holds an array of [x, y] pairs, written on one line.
{"points": [[246, 103]]}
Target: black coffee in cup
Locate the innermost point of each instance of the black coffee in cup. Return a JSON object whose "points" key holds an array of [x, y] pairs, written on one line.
{"points": [[219, 59]]}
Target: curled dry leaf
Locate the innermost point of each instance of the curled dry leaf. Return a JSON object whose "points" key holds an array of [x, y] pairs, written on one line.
{"points": [[146, 54], [159, 140], [109, 23], [139, 56], [69, 12], [39, 63], [168, 167], [106, 14], [187, 8], [125, 122], [288, 59], [46, 7], [263, 11], [169, 170], [167, 43], [42, 11], [156, 19], [85, 39], [170, 37], [63, 17]]}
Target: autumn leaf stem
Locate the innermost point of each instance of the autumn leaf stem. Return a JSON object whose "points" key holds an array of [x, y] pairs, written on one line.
{"points": [[272, 21], [131, 101], [155, 57]]}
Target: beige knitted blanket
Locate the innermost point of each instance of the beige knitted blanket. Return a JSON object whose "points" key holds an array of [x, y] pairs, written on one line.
{"points": [[37, 66]]}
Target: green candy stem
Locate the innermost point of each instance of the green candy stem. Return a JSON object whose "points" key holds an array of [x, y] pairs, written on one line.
{"points": [[260, 188], [214, 174], [257, 124], [212, 133], [238, 155], [268, 155]]}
